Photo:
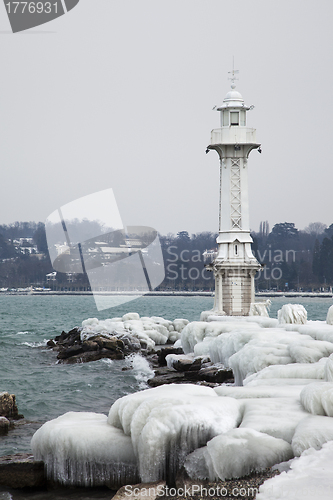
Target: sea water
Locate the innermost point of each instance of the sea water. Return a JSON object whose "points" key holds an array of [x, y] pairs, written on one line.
{"points": [[45, 390]]}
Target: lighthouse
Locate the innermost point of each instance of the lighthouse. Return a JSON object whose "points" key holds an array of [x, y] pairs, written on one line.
{"points": [[235, 265]]}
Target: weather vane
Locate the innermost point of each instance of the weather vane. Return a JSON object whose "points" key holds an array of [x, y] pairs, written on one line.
{"points": [[233, 75]]}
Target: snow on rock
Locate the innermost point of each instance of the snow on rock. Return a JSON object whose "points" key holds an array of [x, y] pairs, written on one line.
{"points": [[235, 454], [82, 449], [292, 313], [310, 477], [329, 317], [277, 417], [172, 359], [149, 331], [312, 432], [317, 398], [168, 422]]}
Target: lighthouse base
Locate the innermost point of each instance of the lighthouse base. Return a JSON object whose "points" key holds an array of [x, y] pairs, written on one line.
{"points": [[234, 289]]}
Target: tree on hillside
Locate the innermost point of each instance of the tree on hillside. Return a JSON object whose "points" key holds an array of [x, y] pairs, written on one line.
{"points": [[284, 231], [315, 228], [329, 231]]}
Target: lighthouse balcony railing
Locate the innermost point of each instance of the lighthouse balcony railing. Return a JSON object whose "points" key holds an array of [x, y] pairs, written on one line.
{"points": [[233, 135]]}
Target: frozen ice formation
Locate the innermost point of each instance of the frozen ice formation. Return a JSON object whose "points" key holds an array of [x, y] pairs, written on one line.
{"points": [[312, 432], [149, 432], [317, 398], [260, 308], [250, 344], [282, 407], [277, 417], [329, 317], [168, 422], [310, 477], [292, 313], [82, 449], [151, 331], [235, 454]]}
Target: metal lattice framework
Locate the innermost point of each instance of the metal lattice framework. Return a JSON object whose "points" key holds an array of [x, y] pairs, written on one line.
{"points": [[235, 191]]}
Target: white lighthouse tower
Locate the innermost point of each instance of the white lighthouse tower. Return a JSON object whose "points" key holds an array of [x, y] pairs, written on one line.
{"points": [[235, 265]]}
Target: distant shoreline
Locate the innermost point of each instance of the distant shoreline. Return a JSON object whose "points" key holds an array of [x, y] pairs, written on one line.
{"points": [[325, 295]]}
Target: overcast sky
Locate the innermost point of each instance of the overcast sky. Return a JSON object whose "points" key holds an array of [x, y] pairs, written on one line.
{"points": [[119, 93]]}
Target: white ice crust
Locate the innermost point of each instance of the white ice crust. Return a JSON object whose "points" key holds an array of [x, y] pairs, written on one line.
{"points": [[280, 407], [152, 331], [82, 449], [310, 477], [168, 422], [235, 454]]}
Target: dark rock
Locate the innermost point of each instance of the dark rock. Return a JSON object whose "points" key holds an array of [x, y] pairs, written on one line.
{"points": [[171, 377], [70, 351], [8, 406], [107, 342], [21, 471], [185, 365], [89, 345], [4, 426], [87, 356], [131, 344], [69, 338], [208, 375], [111, 344], [165, 351], [212, 374], [51, 343], [143, 344]]}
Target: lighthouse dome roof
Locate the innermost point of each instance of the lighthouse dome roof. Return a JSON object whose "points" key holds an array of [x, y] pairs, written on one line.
{"points": [[233, 95], [233, 99]]}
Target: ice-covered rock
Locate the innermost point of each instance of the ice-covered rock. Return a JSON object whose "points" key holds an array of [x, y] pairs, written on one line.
{"points": [[312, 432], [317, 398], [235, 454], [289, 371], [184, 362], [250, 345], [328, 371], [277, 417], [168, 422], [130, 316], [82, 449], [318, 330], [292, 313], [260, 308], [329, 317], [310, 477], [149, 331], [264, 390], [197, 331]]}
